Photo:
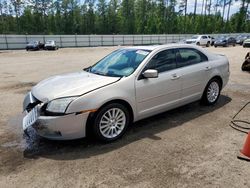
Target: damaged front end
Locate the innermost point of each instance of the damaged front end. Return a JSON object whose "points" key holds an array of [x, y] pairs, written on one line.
{"points": [[49, 125], [34, 111]]}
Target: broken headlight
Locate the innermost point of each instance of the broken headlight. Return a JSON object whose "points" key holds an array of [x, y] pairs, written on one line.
{"points": [[59, 105]]}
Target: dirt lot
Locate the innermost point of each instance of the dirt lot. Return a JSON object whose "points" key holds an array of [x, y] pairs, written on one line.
{"points": [[192, 146]]}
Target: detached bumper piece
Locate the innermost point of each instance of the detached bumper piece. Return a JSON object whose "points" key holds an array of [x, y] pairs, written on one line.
{"points": [[30, 118]]}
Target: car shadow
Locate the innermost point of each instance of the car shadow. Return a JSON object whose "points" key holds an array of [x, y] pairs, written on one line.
{"points": [[37, 147]]}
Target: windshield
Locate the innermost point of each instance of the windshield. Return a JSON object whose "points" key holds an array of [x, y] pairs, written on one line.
{"points": [[195, 37], [33, 42], [49, 42], [240, 37], [222, 38], [120, 63]]}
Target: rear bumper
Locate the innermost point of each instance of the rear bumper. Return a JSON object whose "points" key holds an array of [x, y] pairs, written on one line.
{"points": [[225, 79]]}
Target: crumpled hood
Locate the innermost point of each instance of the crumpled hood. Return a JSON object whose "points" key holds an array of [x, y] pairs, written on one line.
{"points": [[71, 84]]}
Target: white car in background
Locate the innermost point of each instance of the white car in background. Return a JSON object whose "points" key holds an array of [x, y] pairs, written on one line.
{"points": [[50, 45], [127, 85], [200, 40]]}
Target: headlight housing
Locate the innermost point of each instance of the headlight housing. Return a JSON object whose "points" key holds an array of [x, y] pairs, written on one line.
{"points": [[59, 105]]}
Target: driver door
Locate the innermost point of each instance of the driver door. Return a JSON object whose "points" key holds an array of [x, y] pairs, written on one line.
{"points": [[155, 95]]}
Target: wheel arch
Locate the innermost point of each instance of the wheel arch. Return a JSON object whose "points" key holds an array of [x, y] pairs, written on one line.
{"points": [[218, 78], [93, 114]]}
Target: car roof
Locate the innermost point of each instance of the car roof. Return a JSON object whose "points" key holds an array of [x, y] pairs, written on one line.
{"points": [[157, 47]]}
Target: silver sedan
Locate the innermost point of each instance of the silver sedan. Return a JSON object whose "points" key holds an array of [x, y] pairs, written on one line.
{"points": [[128, 85]]}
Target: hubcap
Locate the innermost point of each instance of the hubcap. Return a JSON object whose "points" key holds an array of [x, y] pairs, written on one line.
{"points": [[112, 123], [213, 92]]}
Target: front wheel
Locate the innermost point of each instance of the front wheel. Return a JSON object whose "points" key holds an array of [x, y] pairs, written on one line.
{"points": [[212, 92], [111, 122]]}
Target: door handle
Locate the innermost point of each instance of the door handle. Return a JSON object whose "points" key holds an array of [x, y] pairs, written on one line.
{"points": [[175, 77], [208, 68]]}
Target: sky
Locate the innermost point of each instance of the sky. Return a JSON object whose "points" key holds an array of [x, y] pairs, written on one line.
{"points": [[190, 7]]}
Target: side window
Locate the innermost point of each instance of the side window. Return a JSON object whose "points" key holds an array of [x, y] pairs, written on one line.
{"points": [[204, 37], [188, 56], [163, 61]]}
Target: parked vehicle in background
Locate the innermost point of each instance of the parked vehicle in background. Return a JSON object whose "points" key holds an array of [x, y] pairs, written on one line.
{"points": [[34, 45], [50, 45], [246, 43], [127, 85], [212, 39], [200, 40], [225, 41], [241, 38]]}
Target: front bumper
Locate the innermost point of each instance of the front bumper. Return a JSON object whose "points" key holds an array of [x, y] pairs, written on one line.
{"points": [[220, 44], [246, 45], [50, 47], [190, 42], [65, 127], [32, 47], [239, 42]]}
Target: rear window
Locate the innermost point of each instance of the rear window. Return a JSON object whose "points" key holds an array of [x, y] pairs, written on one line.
{"points": [[189, 56]]}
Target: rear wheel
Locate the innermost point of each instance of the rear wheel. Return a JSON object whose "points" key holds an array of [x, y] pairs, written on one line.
{"points": [[212, 92], [208, 44], [111, 122], [198, 43]]}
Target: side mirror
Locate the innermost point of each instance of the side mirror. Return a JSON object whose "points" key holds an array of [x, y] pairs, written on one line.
{"points": [[150, 73]]}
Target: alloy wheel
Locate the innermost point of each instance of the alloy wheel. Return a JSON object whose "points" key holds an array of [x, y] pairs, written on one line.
{"points": [[213, 92], [112, 123]]}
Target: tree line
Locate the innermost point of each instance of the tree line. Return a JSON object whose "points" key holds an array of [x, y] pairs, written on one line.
{"points": [[121, 17]]}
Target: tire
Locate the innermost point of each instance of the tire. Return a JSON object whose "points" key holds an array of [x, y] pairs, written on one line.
{"points": [[208, 44], [215, 46], [198, 44], [106, 127], [212, 91]]}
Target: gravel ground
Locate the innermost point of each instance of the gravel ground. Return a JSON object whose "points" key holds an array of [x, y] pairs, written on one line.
{"points": [[191, 146]]}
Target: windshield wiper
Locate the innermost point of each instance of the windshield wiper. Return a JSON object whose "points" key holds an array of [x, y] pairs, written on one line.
{"points": [[98, 73], [88, 69]]}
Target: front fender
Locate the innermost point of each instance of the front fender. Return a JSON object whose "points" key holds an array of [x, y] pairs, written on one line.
{"points": [[121, 90]]}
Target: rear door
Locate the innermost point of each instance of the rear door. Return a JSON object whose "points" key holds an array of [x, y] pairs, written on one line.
{"points": [[195, 70]]}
